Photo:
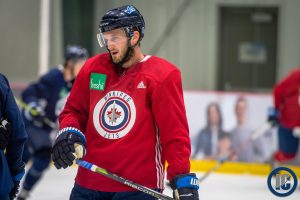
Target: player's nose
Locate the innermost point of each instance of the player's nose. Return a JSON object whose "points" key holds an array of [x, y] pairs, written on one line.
{"points": [[110, 45]]}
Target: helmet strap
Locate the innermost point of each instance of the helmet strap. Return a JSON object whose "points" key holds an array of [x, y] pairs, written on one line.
{"points": [[129, 32], [71, 66]]}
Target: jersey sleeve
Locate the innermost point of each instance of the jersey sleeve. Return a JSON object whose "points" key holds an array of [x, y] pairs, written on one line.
{"points": [[76, 111], [37, 90], [170, 117], [14, 150]]}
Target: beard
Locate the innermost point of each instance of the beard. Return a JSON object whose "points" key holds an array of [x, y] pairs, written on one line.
{"points": [[123, 58]]}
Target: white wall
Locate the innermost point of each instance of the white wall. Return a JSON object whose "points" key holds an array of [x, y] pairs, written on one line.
{"points": [[289, 37], [19, 36], [56, 34], [193, 44]]}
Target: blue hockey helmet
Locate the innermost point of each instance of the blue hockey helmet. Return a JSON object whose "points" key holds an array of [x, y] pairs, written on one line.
{"points": [[127, 17], [75, 52]]}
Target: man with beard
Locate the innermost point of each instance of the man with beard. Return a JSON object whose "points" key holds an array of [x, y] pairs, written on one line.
{"points": [[126, 109]]}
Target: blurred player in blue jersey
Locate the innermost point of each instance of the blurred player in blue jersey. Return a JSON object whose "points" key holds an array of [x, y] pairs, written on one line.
{"points": [[43, 101], [12, 138]]}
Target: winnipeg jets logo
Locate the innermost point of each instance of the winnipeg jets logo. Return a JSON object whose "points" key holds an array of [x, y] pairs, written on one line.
{"points": [[130, 9], [114, 115]]}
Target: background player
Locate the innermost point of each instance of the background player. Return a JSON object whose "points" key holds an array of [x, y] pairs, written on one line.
{"points": [[47, 97], [286, 114], [127, 110], [12, 138]]}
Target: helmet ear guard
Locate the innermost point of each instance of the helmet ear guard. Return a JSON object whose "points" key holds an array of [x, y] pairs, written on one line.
{"points": [[129, 31]]}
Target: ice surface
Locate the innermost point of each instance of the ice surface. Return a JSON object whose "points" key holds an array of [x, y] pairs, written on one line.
{"points": [[57, 184]]}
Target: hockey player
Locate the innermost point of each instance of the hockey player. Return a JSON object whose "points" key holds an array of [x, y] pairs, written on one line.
{"points": [[286, 114], [46, 98], [12, 138], [126, 109]]}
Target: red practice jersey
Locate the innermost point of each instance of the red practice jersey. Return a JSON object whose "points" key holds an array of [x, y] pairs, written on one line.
{"points": [[287, 101], [134, 122]]}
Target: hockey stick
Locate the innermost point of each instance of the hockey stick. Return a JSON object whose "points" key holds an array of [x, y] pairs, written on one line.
{"points": [[34, 112], [256, 134], [99, 170]]}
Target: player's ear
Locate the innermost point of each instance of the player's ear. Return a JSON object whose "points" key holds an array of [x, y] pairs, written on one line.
{"points": [[135, 38]]}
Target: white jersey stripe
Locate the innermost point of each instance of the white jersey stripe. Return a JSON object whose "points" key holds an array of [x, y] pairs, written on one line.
{"points": [[162, 169], [145, 58], [159, 166], [156, 162]]}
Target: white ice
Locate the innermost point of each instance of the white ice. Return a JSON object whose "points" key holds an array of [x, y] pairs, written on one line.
{"points": [[57, 184]]}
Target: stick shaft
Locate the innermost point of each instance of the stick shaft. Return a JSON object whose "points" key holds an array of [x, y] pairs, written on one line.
{"points": [[33, 112], [99, 170]]}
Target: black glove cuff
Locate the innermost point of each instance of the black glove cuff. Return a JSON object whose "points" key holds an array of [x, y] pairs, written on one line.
{"points": [[73, 135]]}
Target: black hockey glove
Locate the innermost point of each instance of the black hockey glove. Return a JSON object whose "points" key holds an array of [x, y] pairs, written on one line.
{"points": [[5, 131], [273, 116], [63, 151], [185, 187], [35, 112], [17, 176]]}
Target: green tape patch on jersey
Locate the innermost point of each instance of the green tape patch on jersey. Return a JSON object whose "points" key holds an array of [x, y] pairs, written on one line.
{"points": [[97, 81]]}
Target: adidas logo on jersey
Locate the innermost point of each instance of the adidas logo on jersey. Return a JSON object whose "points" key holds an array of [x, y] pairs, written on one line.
{"points": [[141, 85]]}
